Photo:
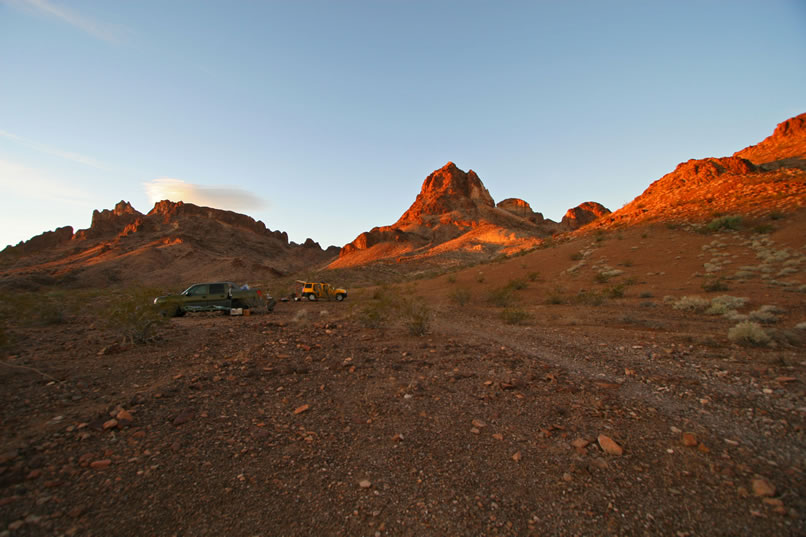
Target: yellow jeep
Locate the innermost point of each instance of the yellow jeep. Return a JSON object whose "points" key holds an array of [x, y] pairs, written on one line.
{"points": [[318, 291]]}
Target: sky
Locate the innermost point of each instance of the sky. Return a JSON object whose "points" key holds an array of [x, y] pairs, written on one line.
{"points": [[323, 118]]}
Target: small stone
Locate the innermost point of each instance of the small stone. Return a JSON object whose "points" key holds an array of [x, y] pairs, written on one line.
{"points": [[609, 445], [702, 448], [479, 424], [567, 477], [474, 430], [763, 487], [17, 524], [580, 443], [516, 456], [110, 424], [301, 409], [498, 436], [689, 440], [125, 415], [33, 474], [365, 483], [184, 417], [101, 464]]}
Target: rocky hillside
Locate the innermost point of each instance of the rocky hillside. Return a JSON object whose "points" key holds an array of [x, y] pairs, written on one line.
{"points": [[454, 217], [760, 179], [175, 243]]}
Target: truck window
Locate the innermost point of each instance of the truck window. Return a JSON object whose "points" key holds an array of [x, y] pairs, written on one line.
{"points": [[217, 289], [198, 290]]}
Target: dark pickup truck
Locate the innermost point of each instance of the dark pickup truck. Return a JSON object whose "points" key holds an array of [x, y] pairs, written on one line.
{"points": [[216, 296]]}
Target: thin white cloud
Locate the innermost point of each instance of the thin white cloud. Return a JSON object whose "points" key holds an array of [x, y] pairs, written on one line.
{"points": [[67, 155], [234, 199], [106, 32], [32, 183]]}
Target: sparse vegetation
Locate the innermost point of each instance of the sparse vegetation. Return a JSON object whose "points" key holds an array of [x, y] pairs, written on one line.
{"points": [[132, 315], [500, 296], [691, 303], [727, 222], [451, 278], [480, 277], [461, 296], [556, 296], [748, 333], [515, 316], [713, 285], [533, 276]]}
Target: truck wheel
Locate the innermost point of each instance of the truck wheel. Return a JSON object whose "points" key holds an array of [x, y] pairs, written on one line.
{"points": [[179, 312], [340, 297], [311, 297]]}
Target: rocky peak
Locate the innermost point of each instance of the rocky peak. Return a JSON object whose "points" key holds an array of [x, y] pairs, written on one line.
{"points": [[520, 208], [446, 190], [785, 147], [584, 214]]}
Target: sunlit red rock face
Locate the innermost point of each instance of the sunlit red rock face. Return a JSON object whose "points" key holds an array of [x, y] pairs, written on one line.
{"points": [[769, 176], [453, 216], [175, 243], [584, 214]]}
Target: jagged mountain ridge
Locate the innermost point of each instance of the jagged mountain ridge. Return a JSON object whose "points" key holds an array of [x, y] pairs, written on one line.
{"points": [[171, 244], [454, 215], [765, 177]]}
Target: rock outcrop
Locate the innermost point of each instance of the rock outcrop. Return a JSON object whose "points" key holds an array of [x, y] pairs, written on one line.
{"points": [[454, 216], [584, 214]]}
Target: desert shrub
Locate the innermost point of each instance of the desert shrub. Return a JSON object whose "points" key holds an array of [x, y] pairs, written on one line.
{"points": [[501, 296], [627, 263], [480, 277], [132, 315], [533, 276], [766, 314], [748, 333], [614, 291], [691, 303], [730, 302], [600, 236], [416, 317], [555, 296], [517, 284], [646, 294], [729, 222], [712, 285], [373, 315], [576, 256], [460, 296], [515, 316], [763, 229], [590, 298], [452, 278], [776, 215]]}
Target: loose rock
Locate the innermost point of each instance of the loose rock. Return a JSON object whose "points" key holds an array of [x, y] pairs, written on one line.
{"points": [[609, 445]]}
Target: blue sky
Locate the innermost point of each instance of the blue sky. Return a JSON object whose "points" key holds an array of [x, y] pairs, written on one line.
{"points": [[322, 118]]}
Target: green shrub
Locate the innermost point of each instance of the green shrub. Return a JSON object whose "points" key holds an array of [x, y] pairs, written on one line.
{"points": [[533, 276], [576, 256], [590, 298], [132, 315], [748, 333], [691, 303], [452, 278], [517, 284], [729, 222], [615, 291], [515, 316]]}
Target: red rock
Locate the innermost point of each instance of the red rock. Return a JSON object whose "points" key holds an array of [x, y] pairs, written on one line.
{"points": [[365, 483], [34, 474], [301, 409], [689, 440], [125, 415], [110, 424], [609, 445], [580, 443], [101, 464], [763, 487], [517, 456]]}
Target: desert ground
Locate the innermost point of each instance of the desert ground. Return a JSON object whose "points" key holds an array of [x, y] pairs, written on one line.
{"points": [[569, 391]]}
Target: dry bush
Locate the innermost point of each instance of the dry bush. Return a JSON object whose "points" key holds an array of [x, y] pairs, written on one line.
{"points": [[501, 297], [132, 315], [713, 285], [534, 276], [515, 316], [766, 314], [691, 303], [556, 296], [748, 333], [590, 298], [460, 296], [725, 222]]}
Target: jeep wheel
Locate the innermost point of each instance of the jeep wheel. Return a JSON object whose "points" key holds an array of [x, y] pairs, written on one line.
{"points": [[311, 297], [340, 297]]}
